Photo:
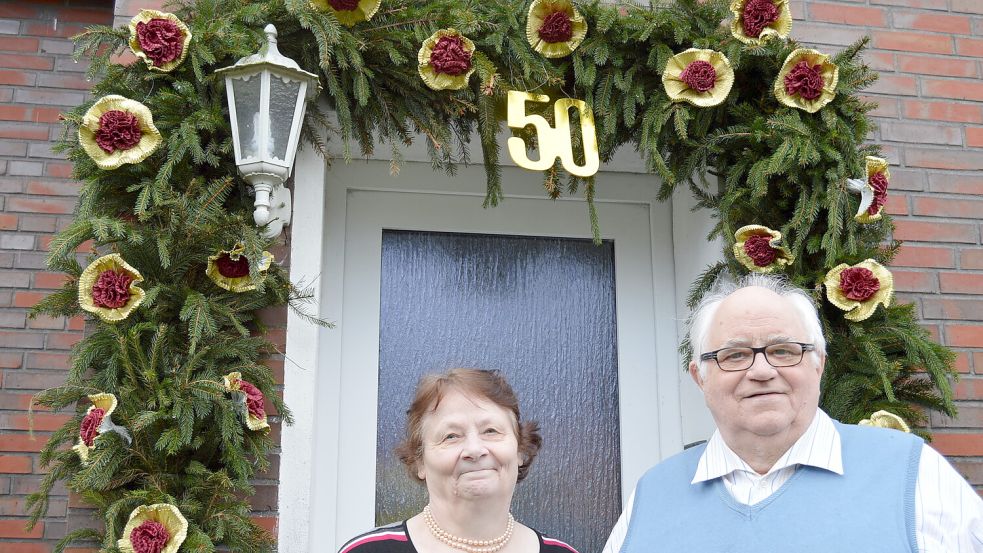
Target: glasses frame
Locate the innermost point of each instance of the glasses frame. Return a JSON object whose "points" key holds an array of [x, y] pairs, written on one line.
{"points": [[755, 351]]}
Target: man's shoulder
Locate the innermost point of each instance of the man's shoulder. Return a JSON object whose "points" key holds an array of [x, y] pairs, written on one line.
{"points": [[684, 462], [850, 432]]}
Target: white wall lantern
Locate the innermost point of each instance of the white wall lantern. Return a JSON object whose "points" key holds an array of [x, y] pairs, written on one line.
{"points": [[267, 95]]}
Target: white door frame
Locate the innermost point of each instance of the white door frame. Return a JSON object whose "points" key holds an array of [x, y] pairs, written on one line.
{"points": [[311, 462]]}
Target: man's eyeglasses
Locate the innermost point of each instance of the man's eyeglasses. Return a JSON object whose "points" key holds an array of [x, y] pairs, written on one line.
{"points": [[786, 354]]}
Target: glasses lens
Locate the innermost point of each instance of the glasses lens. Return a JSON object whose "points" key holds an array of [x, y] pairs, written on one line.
{"points": [[735, 359], [784, 355]]}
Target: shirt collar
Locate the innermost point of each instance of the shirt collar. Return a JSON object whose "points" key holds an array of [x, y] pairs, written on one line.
{"points": [[819, 446]]}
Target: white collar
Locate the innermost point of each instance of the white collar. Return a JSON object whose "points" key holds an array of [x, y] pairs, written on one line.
{"points": [[819, 446]]}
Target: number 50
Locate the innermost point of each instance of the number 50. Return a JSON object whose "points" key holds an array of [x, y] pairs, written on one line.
{"points": [[553, 142]]}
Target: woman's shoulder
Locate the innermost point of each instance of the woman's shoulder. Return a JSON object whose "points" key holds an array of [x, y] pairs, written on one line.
{"points": [[553, 545], [391, 538]]}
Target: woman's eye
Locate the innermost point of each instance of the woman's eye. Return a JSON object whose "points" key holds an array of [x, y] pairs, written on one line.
{"points": [[450, 436], [491, 431]]}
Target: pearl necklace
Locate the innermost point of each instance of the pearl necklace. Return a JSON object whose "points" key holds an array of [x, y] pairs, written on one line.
{"points": [[464, 544]]}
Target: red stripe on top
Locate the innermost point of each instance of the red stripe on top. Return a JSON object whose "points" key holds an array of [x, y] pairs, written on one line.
{"points": [[395, 536], [551, 541]]}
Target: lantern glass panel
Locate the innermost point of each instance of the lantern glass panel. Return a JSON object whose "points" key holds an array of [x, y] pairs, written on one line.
{"points": [[246, 90], [283, 104]]}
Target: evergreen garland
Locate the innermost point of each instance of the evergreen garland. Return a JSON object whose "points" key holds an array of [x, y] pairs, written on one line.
{"points": [[776, 166]]}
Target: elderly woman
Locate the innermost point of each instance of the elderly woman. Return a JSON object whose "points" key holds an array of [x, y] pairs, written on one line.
{"points": [[465, 440]]}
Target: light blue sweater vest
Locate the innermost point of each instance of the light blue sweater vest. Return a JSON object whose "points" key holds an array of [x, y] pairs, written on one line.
{"points": [[869, 509]]}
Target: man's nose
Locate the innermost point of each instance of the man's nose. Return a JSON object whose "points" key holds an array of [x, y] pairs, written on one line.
{"points": [[760, 368]]}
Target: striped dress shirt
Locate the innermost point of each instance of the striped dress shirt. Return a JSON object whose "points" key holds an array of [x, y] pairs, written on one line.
{"points": [[948, 513]]}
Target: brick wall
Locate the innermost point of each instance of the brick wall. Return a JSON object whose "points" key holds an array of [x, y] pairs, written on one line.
{"points": [[929, 53]]}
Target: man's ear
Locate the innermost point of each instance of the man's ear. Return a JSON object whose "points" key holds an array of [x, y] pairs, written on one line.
{"points": [[821, 366], [694, 371]]}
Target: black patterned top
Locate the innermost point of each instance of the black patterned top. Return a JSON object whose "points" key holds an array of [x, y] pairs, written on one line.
{"points": [[394, 538]]}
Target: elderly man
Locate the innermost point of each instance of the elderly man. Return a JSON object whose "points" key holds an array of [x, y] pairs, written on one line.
{"points": [[778, 474]]}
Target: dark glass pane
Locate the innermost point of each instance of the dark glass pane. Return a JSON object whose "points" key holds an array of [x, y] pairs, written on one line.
{"points": [[541, 310]]}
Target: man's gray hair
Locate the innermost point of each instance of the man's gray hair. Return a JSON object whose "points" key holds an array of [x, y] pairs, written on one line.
{"points": [[699, 321]]}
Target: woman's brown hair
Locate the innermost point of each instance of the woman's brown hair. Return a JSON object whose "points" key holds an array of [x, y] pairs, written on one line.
{"points": [[484, 384]]}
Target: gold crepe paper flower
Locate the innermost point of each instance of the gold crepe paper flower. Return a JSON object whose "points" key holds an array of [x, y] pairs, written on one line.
{"points": [[440, 80], [543, 27], [858, 292], [875, 166], [105, 403], [780, 26], [168, 39], [142, 145], [229, 269], [757, 248], [886, 419], [698, 90], [811, 60], [348, 12], [108, 288], [163, 514], [252, 397]]}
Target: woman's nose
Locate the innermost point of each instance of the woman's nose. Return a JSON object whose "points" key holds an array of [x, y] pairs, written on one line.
{"points": [[474, 446]]}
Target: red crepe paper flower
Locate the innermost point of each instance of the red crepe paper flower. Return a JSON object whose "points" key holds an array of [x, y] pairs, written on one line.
{"points": [[699, 75], [757, 15], [112, 289], [118, 130], [556, 27], [859, 283], [150, 537], [805, 80], [161, 40], [450, 57], [90, 426]]}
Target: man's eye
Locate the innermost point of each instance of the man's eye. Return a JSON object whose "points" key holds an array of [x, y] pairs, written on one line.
{"points": [[732, 355], [491, 431], [451, 436]]}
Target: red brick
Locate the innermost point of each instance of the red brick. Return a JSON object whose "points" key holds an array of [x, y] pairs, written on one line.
{"points": [[953, 88], [961, 283], [15, 464], [927, 4], [82, 15], [59, 170], [11, 360], [921, 133], [16, 61], [15, 113], [45, 422], [62, 340], [19, 11], [77, 82], [266, 523], [18, 44], [17, 78], [958, 160], [48, 360], [24, 132], [76, 323], [14, 528], [895, 85], [46, 205], [967, 336], [53, 188], [850, 15], [928, 65], [8, 221], [967, 6], [897, 204], [46, 115], [918, 256], [970, 388], [53, 29], [974, 137], [960, 445], [969, 308], [923, 231], [912, 42], [953, 184], [913, 281], [943, 207], [969, 47], [49, 280], [951, 24], [971, 259], [36, 547], [23, 442], [28, 299], [962, 366]]}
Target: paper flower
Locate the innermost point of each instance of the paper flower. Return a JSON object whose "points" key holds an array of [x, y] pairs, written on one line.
{"points": [[757, 248], [117, 130], [886, 419], [807, 80], [96, 421], [444, 60], [756, 21], [229, 269], [878, 178], [253, 398], [554, 28], [158, 528], [858, 288], [701, 77], [348, 12], [108, 288], [160, 39]]}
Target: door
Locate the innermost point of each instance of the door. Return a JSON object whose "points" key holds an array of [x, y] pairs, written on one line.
{"points": [[394, 236]]}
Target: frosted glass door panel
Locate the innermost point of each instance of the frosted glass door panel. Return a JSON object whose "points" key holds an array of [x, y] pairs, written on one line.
{"points": [[541, 310]]}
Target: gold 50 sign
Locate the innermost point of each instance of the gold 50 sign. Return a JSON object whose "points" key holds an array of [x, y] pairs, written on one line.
{"points": [[553, 142]]}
